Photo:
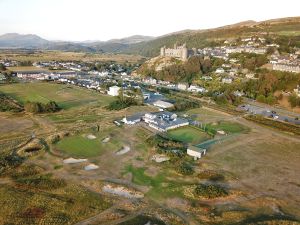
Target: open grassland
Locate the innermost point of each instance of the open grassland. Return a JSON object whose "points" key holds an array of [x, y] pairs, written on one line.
{"points": [[266, 167], [188, 134], [66, 96], [66, 56]]}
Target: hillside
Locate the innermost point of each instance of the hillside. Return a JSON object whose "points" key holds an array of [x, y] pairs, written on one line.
{"points": [[31, 41], [14, 40], [202, 38]]}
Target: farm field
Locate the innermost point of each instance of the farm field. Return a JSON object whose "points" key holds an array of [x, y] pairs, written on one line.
{"points": [[67, 56], [188, 134], [66, 96], [26, 68]]}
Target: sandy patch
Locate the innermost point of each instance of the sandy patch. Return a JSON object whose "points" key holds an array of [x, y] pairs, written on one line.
{"points": [[91, 167], [91, 137], [72, 160], [124, 150], [122, 191], [105, 140], [160, 158]]}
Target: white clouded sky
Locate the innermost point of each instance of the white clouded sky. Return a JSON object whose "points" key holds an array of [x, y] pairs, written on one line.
{"points": [[79, 20]]}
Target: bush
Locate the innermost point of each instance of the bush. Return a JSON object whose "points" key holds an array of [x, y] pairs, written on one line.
{"points": [[182, 105], [294, 101], [122, 104], [37, 107], [43, 182], [211, 175], [185, 169], [211, 191], [261, 98]]}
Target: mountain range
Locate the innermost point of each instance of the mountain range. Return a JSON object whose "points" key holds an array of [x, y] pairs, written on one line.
{"points": [[149, 46]]}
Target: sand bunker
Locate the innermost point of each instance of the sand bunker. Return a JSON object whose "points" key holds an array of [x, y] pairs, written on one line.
{"points": [[91, 137], [105, 140], [160, 158], [221, 132], [72, 160], [124, 150], [122, 191], [91, 167]]}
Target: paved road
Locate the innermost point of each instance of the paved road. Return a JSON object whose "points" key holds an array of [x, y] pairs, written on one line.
{"points": [[270, 112]]}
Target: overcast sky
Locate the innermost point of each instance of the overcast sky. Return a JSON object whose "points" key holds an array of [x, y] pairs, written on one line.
{"points": [[80, 20]]}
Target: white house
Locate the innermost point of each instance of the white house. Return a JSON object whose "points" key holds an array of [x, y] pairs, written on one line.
{"points": [[194, 88], [220, 70], [114, 91], [195, 152], [131, 120], [182, 86], [164, 121], [227, 80]]}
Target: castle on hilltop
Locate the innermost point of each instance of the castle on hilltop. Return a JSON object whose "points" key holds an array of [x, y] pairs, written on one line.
{"points": [[180, 52]]}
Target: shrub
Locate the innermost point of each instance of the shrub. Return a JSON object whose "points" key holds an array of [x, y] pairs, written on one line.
{"points": [[211, 191], [185, 169], [37, 107], [42, 181]]}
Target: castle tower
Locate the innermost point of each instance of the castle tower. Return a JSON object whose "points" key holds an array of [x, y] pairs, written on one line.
{"points": [[185, 52]]}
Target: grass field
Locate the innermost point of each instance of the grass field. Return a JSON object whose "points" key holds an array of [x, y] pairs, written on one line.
{"points": [[228, 127], [66, 96], [67, 56], [81, 146], [26, 68], [188, 134]]}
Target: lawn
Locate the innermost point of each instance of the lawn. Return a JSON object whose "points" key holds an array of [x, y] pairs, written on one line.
{"points": [[188, 134], [206, 115], [66, 96], [81, 146], [228, 127]]}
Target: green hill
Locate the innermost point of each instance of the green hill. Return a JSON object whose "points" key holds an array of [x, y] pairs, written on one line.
{"points": [[212, 37]]}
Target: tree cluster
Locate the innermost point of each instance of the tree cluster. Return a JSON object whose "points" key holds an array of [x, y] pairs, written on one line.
{"points": [[211, 191], [37, 107]]}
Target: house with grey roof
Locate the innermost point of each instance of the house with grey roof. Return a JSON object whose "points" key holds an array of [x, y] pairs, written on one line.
{"points": [[164, 121]]}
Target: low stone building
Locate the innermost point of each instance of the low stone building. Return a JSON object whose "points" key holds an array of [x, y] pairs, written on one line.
{"points": [[195, 152]]}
